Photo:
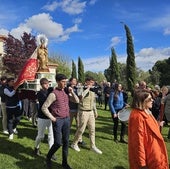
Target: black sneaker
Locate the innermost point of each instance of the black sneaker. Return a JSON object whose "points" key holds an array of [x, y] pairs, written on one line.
{"points": [[116, 140], [54, 158], [123, 141], [81, 143], [66, 166], [37, 151], [34, 126], [48, 163]]}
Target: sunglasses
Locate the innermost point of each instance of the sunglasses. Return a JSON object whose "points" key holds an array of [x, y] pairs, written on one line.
{"points": [[149, 99]]}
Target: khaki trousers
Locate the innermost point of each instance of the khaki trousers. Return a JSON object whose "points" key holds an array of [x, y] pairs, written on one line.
{"points": [[85, 118]]}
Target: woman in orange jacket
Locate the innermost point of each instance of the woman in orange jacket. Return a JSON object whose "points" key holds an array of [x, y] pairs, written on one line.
{"points": [[146, 146]]}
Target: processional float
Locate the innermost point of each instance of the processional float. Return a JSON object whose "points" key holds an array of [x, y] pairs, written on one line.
{"points": [[36, 67]]}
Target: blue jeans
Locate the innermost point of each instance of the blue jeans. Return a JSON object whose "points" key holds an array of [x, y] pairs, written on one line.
{"points": [[61, 129]]}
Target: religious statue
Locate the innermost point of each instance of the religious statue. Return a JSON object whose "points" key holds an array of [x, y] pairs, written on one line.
{"points": [[42, 53]]}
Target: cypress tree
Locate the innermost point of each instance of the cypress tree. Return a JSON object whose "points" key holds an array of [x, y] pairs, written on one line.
{"points": [[81, 76], [130, 62], [114, 67], [74, 72], [112, 73]]}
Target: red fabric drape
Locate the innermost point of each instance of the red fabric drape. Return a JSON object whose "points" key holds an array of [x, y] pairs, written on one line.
{"points": [[29, 70]]}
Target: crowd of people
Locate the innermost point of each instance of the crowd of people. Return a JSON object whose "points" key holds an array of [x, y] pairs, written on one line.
{"points": [[58, 107]]}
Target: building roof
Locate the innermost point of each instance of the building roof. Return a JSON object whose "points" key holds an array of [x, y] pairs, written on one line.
{"points": [[3, 38]]}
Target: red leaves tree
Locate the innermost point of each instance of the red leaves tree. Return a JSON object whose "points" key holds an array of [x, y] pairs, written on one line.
{"points": [[17, 52]]}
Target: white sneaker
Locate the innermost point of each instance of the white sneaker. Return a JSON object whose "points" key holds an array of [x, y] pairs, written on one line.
{"points": [[5, 132], [75, 147], [15, 131], [96, 150], [11, 136]]}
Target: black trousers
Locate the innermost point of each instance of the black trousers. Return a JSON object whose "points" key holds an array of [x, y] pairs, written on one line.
{"points": [[106, 100], [13, 118], [61, 129], [115, 128]]}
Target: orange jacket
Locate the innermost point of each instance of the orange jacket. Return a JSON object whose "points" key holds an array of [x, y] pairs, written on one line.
{"points": [[146, 146]]}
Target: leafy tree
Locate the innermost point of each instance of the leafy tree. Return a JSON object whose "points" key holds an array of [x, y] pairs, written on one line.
{"points": [[113, 73], [141, 75], [81, 76], [122, 68], [114, 67], [98, 77], [17, 52], [107, 74], [29, 44], [162, 68], [63, 63], [13, 55], [130, 62], [74, 72], [154, 75]]}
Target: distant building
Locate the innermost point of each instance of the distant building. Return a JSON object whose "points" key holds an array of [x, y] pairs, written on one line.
{"points": [[2, 40]]}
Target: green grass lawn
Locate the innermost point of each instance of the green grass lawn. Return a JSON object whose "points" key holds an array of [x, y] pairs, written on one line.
{"points": [[18, 153]]}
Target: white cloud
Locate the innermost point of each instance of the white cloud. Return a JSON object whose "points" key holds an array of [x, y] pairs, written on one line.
{"points": [[162, 21], [72, 29], [77, 20], [115, 40], [67, 32], [96, 64], [92, 2], [18, 32], [167, 31], [4, 32], [52, 6], [72, 7], [43, 23], [145, 59]]}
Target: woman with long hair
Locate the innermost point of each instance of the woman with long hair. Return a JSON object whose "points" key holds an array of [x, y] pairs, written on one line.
{"points": [[146, 147], [116, 103]]}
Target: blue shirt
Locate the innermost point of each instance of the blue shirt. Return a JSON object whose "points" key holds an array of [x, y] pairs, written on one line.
{"points": [[116, 104]]}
